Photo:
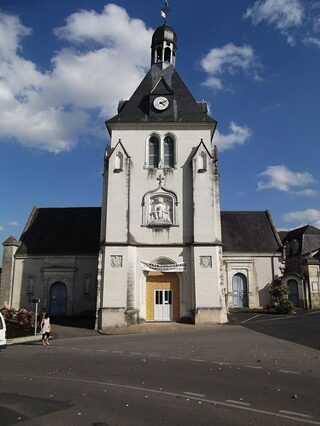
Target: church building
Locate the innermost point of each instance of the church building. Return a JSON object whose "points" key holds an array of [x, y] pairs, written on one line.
{"points": [[159, 248]]}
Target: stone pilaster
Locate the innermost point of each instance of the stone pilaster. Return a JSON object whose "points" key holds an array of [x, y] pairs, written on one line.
{"points": [[10, 246]]}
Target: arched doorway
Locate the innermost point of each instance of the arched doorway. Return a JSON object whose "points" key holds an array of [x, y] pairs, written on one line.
{"points": [[293, 292], [58, 299], [162, 296], [239, 291]]}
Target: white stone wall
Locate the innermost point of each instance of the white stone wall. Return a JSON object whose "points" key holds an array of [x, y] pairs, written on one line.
{"points": [[34, 276], [129, 240], [259, 270], [314, 280], [126, 202]]}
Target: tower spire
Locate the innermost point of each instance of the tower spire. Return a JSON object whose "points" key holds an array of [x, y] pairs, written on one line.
{"points": [[165, 10], [164, 42]]}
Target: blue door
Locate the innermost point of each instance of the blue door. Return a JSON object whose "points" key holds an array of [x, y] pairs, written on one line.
{"points": [[239, 291], [58, 299], [293, 292]]}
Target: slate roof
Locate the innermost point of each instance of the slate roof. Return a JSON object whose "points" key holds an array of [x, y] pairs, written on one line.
{"points": [[248, 232], [55, 231], [11, 241], [184, 107], [308, 238], [75, 231], [164, 32], [282, 235]]}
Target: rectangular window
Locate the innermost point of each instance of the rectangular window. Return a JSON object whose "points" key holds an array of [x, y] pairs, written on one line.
{"points": [[159, 297]]}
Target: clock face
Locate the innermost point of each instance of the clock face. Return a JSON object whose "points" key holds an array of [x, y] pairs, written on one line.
{"points": [[161, 103]]}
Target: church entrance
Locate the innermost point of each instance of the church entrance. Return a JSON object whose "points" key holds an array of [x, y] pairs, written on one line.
{"points": [[162, 296], [163, 305], [239, 291], [58, 299], [293, 292]]}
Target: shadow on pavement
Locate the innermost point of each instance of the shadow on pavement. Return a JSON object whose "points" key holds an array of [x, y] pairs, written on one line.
{"points": [[15, 408], [303, 329], [75, 321]]}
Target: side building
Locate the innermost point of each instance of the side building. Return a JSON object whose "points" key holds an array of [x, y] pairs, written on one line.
{"points": [[302, 266], [55, 260]]}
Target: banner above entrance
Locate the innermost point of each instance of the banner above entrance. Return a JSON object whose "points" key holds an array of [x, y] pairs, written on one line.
{"points": [[170, 267]]}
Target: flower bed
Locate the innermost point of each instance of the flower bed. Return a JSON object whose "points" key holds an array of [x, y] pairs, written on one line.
{"points": [[19, 322]]}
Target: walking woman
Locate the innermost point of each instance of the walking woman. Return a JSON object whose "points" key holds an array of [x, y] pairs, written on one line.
{"points": [[45, 329]]}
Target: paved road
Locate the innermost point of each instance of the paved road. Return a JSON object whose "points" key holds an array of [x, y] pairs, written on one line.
{"points": [[224, 375], [302, 328]]}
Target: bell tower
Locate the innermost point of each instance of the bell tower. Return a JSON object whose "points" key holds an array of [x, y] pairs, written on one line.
{"points": [[161, 251], [163, 47]]}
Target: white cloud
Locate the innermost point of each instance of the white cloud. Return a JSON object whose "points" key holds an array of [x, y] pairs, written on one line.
{"points": [[281, 178], [228, 59], [52, 110], [294, 19], [308, 193], [11, 31], [311, 216], [314, 41], [282, 14], [315, 16], [238, 135], [13, 223], [1, 228]]}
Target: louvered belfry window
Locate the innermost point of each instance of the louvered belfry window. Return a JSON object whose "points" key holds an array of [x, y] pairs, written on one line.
{"points": [[154, 148], [168, 148]]}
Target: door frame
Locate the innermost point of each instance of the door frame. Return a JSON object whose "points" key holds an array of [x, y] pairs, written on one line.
{"points": [[158, 280]]}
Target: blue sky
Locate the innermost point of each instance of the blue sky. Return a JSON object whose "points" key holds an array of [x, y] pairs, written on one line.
{"points": [[65, 64]]}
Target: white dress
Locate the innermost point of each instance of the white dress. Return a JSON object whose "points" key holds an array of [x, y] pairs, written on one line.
{"points": [[45, 326]]}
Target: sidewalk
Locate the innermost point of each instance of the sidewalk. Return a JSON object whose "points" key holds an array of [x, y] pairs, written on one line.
{"points": [[25, 339], [145, 328]]}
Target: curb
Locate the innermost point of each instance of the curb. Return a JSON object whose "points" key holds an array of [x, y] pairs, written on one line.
{"points": [[26, 339], [155, 329]]}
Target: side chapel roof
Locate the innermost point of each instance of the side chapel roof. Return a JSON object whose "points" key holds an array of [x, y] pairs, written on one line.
{"points": [[56, 231], [249, 232], [76, 230]]}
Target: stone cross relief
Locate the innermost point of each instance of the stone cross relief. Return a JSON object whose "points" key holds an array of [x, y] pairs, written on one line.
{"points": [[160, 207]]}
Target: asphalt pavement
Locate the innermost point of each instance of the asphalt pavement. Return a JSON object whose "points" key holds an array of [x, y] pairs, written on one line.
{"points": [[244, 373]]}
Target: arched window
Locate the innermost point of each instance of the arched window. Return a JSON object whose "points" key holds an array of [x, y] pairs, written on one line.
{"points": [[159, 54], [202, 162], [167, 54], [168, 151], [118, 162], [154, 151]]}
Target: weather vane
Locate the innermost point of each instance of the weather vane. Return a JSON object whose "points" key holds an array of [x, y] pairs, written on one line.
{"points": [[165, 10]]}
